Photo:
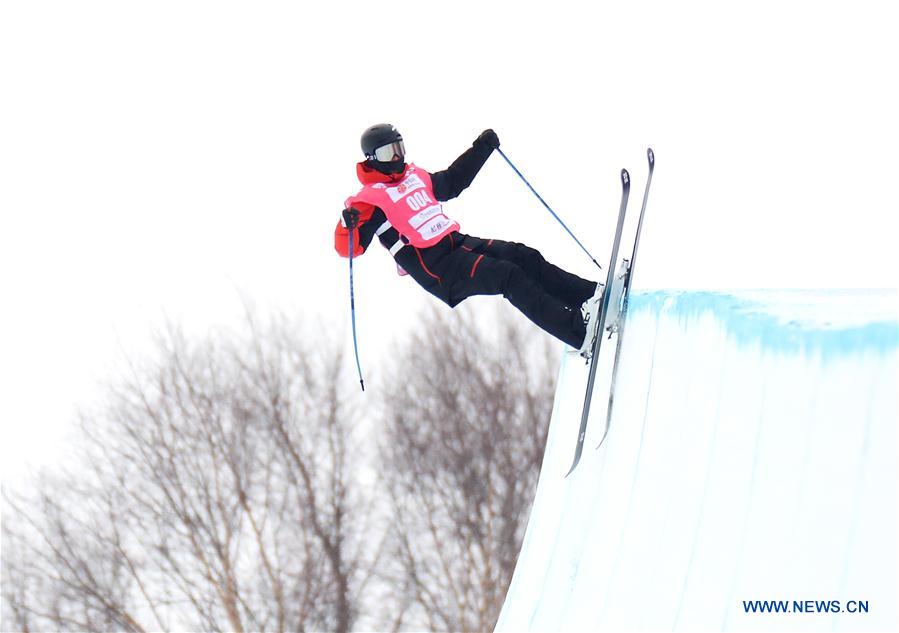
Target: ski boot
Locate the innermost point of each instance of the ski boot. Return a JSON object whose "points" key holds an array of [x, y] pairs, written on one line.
{"points": [[613, 319], [591, 311]]}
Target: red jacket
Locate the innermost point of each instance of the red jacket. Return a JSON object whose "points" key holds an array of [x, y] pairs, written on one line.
{"points": [[367, 176], [447, 184]]}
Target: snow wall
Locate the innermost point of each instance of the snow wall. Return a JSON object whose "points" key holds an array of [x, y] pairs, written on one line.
{"points": [[752, 456]]}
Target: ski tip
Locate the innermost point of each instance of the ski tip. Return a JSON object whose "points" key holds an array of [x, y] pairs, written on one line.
{"points": [[625, 177], [650, 156]]}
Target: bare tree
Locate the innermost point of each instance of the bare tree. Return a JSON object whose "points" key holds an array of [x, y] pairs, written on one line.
{"points": [[215, 491], [466, 421]]}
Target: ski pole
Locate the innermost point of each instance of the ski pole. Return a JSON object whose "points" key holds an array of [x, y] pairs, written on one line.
{"points": [[558, 219], [353, 315]]}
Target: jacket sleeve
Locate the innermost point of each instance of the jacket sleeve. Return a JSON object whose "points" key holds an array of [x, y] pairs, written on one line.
{"points": [[362, 234], [453, 180]]}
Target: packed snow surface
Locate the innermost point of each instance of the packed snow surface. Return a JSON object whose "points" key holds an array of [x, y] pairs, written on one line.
{"points": [[752, 455]]}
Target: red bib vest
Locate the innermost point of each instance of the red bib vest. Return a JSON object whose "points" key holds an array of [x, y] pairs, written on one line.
{"points": [[410, 207]]}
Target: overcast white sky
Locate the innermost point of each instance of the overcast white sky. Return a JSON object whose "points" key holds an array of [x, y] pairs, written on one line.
{"points": [[157, 159]]}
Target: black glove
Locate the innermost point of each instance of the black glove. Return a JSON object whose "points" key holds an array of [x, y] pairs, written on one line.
{"points": [[351, 218], [488, 138]]}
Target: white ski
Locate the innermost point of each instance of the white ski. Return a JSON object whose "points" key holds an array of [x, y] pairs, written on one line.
{"points": [[626, 277]]}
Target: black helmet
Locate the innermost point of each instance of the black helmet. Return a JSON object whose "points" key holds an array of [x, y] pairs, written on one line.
{"points": [[378, 136]]}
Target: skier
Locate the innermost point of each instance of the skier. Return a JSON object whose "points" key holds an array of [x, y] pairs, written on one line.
{"points": [[400, 203]]}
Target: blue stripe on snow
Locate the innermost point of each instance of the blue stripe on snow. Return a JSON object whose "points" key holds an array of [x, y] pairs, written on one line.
{"points": [[832, 323]]}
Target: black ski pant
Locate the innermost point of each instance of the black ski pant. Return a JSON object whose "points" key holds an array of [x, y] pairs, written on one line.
{"points": [[461, 266]]}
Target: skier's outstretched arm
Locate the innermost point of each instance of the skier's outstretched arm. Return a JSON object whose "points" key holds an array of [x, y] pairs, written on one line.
{"points": [[453, 180]]}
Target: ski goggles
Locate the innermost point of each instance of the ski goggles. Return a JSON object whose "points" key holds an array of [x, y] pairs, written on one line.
{"points": [[390, 152]]}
